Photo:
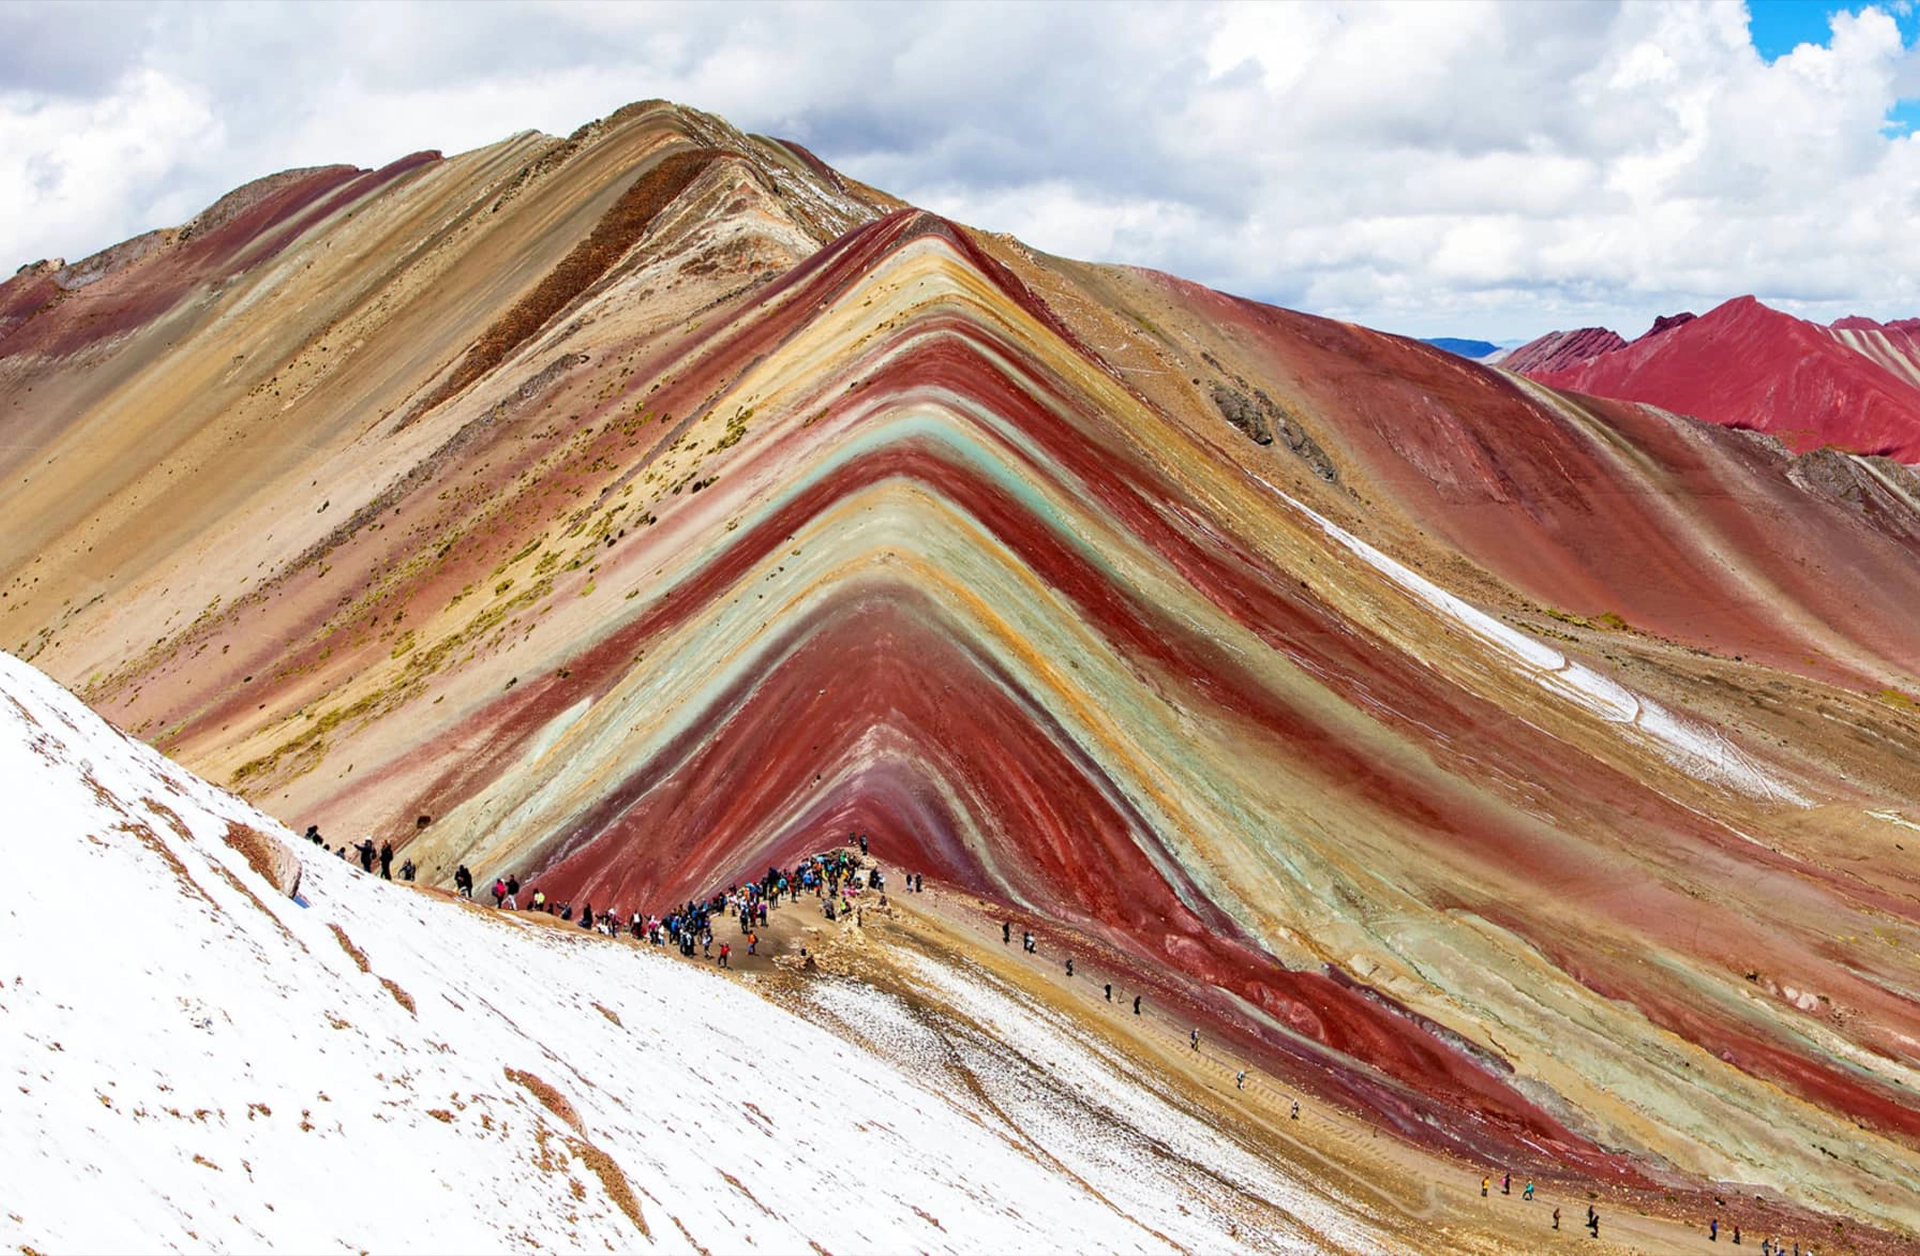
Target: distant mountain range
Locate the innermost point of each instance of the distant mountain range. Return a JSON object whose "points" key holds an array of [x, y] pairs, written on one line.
{"points": [[1465, 348], [1853, 385]]}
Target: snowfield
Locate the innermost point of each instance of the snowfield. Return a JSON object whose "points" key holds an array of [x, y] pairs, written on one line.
{"points": [[196, 1061]]}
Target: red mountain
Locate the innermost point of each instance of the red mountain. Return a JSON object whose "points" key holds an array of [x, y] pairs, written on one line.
{"points": [[1562, 350], [1854, 385]]}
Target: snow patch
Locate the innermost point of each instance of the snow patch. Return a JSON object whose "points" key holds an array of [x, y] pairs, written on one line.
{"points": [[1686, 744], [196, 1061]]}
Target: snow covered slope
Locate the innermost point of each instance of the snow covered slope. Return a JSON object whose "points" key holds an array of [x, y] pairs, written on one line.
{"points": [[195, 1060]]}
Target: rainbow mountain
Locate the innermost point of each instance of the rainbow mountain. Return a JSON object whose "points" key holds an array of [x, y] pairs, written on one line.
{"points": [[1530, 775]]}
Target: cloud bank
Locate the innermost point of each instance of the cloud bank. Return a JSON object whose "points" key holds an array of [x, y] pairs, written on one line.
{"points": [[1482, 169]]}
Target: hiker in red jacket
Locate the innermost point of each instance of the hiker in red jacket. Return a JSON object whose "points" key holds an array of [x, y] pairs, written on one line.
{"points": [[726, 949]]}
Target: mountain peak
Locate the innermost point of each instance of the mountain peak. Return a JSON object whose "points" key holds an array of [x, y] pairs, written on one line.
{"points": [[1745, 364]]}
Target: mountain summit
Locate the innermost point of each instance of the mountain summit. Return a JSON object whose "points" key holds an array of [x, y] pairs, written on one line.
{"points": [[1854, 386], [1525, 777]]}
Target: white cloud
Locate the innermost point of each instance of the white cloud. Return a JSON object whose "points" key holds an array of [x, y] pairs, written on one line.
{"points": [[1480, 168], [87, 168]]}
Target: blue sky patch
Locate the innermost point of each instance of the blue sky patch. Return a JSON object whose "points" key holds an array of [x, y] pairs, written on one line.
{"points": [[1780, 26]]}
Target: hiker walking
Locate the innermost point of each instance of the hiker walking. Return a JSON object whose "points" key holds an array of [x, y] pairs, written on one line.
{"points": [[386, 861], [1506, 1184], [499, 892], [1109, 992], [1556, 1218], [1296, 1116], [407, 871], [513, 892], [1528, 1193], [1006, 932], [1069, 965], [1713, 1230], [463, 881], [1485, 1183], [366, 854], [1240, 1082], [1136, 1005], [1193, 1039]]}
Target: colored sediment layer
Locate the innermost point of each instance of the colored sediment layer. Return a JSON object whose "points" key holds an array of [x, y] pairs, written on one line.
{"points": [[1510, 766]]}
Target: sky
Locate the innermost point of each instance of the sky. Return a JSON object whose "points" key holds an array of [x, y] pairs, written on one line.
{"points": [[1476, 169]]}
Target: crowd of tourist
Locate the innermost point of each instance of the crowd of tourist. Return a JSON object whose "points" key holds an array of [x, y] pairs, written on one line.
{"points": [[839, 879]]}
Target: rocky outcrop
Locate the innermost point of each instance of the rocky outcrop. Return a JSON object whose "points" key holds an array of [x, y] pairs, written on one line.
{"points": [[1667, 322], [1260, 418], [1561, 350]]}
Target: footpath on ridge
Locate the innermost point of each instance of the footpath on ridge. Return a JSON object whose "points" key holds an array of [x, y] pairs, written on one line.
{"points": [[1434, 1196]]}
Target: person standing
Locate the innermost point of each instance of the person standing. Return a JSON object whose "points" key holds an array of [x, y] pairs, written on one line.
{"points": [[1109, 992], [1506, 1184], [1006, 932], [1556, 1218], [513, 892], [463, 882], [1486, 1183], [1193, 1039], [1240, 1082], [1136, 1005], [1069, 965], [386, 861]]}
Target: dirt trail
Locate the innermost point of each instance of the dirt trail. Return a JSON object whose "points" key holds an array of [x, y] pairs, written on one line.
{"points": [[1431, 1200]]}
